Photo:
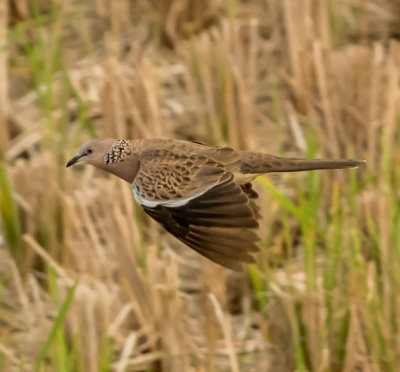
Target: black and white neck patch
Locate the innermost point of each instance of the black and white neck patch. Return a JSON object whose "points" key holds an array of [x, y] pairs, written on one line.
{"points": [[118, 152]]}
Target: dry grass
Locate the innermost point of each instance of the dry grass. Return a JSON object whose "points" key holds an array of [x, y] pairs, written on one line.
{"points": [[88, 283]]}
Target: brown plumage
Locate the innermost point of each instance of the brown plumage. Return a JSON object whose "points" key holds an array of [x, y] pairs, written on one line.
{"points": [[200, 194]]}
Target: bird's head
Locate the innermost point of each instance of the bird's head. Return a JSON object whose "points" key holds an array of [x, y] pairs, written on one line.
{"points": [[109, 155], [92, 152]]}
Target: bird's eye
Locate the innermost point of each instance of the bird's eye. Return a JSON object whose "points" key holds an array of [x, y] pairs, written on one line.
{"points": [[90, 150]]}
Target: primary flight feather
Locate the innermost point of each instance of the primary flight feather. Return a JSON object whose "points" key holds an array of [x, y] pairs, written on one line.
{"points": [[200, 194]]}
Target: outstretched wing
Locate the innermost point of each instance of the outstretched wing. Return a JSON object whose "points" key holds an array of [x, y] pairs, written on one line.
{"points": [[196, 199], [219, 223]]}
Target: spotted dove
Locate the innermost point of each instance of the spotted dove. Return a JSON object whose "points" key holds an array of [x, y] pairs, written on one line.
{"points": [[200, 194]]}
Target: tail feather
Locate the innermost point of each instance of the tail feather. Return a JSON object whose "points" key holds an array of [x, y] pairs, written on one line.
{"points": [[257, 163], [296, 165]]}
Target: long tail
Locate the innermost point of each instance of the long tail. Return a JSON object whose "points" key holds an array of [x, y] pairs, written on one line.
{"points": [[258, 163]]}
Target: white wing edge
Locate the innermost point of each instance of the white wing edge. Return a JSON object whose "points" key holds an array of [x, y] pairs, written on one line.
{"points": [[167, 203]]}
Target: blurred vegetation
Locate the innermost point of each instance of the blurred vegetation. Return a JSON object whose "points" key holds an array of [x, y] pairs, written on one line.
{"points": [[87, 283]]}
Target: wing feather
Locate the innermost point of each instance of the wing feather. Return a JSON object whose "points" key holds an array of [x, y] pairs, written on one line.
{"points": [[219, 224], [181, 172], [191, 191]]}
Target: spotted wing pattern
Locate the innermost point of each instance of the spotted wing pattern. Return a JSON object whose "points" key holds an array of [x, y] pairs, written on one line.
{"points": [[191, 191], [180, 171]]}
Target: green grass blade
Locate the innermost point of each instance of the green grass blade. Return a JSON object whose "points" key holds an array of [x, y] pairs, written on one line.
{"points": [[9, 215], [285, 202], [57, 325]]}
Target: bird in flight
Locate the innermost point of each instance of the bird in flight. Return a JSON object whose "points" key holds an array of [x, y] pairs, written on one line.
{"points": [[200, 194]]}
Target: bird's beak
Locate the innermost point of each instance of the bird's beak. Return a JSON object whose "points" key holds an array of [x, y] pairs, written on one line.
{"points": [[74, 160]]}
